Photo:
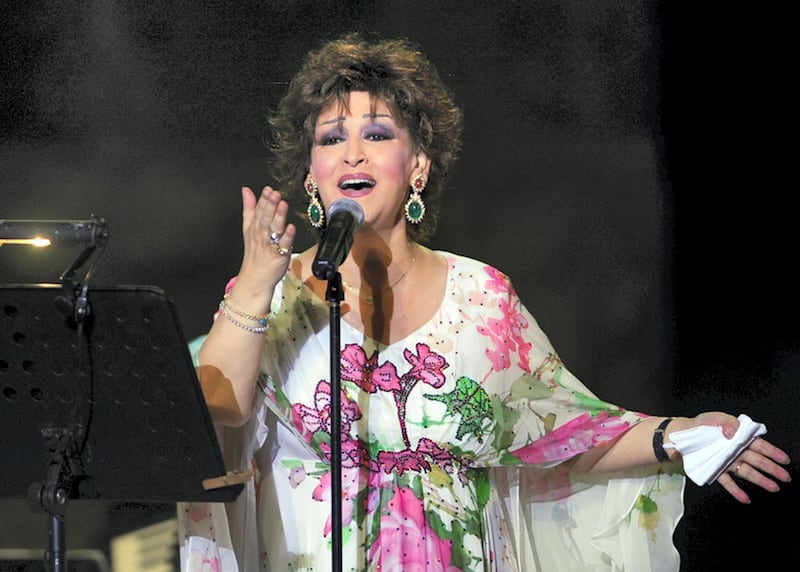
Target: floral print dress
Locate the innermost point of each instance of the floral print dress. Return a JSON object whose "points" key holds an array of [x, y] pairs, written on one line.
{"points": [[453, 443]]}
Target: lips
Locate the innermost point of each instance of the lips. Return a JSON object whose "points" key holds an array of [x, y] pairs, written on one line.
{"points": [[356, 182]]}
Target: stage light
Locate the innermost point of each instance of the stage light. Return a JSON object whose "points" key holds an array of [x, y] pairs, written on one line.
{"points": [[37, 241], [86, 233]]}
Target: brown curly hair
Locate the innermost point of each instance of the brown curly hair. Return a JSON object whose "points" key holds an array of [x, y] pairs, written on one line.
{"points": [[394, 71]]}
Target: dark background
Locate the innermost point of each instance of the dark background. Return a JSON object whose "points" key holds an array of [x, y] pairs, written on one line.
{"points": [[626, 163]]}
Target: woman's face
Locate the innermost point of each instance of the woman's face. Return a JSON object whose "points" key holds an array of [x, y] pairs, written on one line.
{"points": [[362, 154]]}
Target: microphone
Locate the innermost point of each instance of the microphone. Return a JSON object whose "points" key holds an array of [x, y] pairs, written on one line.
{"points": [[344, 218], [88, 233]]}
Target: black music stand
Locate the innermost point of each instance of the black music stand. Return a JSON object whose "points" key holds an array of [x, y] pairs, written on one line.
{"points": [[108, 407]]}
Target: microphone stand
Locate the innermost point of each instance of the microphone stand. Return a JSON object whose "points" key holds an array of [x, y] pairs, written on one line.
{"points": [[344, 217], [334, 296]]}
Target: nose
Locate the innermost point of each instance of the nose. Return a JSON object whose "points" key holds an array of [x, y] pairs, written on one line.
{"points": [[354, 152]]}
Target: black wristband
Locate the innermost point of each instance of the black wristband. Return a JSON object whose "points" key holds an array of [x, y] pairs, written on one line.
{"points": [[658, 441]]}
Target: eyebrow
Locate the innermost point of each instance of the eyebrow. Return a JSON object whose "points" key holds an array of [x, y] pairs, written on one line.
{"points": [[365, 116]]}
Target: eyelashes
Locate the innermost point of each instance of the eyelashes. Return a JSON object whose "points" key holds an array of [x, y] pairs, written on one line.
{"points": [[378, 133], [330, 138], [372, 132]]}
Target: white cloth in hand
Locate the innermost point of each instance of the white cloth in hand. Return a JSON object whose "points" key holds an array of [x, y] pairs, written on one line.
{"points": [[707, 452]]}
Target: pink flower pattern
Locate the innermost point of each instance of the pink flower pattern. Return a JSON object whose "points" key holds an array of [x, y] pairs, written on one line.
{"points": [[428, 365], [573, 438], [322, 493], [408, 543], [309, 420], [507, 333], [365, 372]]}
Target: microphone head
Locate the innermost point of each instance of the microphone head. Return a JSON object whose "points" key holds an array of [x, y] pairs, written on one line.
{"points": [[349, 206]]}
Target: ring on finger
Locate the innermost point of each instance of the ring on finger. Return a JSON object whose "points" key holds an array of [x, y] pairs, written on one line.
{"points": [[736, 470], [274, 237], [281, 250]]}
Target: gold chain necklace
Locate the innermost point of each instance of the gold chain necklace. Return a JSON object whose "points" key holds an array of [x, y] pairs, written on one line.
{"points": [[371, 299]]}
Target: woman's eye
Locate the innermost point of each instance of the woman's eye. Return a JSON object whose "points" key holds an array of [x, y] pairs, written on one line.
{"points": [[331, 137], [378, 135]]}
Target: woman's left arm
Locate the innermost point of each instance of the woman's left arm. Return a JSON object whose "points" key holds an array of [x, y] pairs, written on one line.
{"points": [[760, 463]]}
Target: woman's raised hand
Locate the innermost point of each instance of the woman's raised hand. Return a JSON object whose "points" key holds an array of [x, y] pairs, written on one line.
{"points": [[267, 238]]}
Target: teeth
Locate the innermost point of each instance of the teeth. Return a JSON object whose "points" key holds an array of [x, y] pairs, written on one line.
{"points": [[357, 184]]}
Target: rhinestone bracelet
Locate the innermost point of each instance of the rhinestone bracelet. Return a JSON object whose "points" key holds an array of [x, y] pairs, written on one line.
{"points": [[228, 311], [230, 304]]}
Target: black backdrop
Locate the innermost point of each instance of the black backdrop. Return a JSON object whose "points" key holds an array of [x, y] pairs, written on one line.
{"points": [[623, 161]]}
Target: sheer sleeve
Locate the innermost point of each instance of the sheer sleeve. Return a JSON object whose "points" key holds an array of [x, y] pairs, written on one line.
{"points": [[540, 515]]}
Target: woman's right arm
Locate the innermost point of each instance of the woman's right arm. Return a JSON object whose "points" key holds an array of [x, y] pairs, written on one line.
{"points": [[230, 356]]}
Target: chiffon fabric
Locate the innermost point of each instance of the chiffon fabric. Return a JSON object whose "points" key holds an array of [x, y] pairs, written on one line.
{"points": [[455, 449]]}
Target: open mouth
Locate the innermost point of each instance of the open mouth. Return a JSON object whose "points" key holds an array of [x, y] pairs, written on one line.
{"points": [[356, 184]]}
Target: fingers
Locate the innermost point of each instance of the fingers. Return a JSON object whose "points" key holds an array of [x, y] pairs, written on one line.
{"points": [[756, 472], [265, 218], [760, 465], [727, 482], [766, 458], [764, 447], [248, 207], [728, 423], [271, 219], [268, 239], [258, 212], [282, 241]]}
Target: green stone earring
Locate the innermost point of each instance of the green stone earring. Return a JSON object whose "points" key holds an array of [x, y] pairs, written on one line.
{"points": [[415, 208], [316, 214]]}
